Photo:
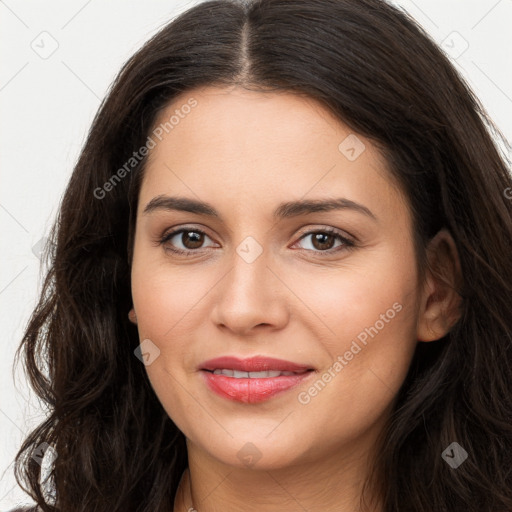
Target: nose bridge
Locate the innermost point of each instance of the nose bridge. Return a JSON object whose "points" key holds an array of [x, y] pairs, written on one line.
{"points": [[248, 280], [248, 295]]}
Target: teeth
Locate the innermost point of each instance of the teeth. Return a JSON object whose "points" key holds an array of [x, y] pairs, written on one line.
{"points": [[251, 375]]}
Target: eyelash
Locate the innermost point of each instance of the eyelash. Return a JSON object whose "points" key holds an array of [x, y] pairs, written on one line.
{"points": [[347, 244]]}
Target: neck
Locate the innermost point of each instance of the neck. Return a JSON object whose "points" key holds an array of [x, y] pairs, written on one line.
{"points": [[334, 486]]}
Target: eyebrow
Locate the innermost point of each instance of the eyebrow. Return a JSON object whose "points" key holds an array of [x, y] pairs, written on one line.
{"points": [[283, 211]]}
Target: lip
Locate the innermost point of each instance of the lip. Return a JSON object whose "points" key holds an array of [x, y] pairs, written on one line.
{"points": [[253, 364], [247, 390]]}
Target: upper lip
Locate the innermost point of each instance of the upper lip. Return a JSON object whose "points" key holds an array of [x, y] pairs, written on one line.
{"points": [[253, 364]]}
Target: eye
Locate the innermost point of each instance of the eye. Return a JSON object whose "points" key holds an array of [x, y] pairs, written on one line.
{"points": [[323, 240], [189, 238]]}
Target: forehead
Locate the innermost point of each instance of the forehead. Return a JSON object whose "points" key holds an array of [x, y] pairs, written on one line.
{"points": [[260, 147]]}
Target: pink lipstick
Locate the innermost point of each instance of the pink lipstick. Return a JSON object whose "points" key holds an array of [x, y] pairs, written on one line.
{"points": [[252, 380]]}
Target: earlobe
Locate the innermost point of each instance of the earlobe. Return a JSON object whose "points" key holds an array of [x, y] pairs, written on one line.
{"points": [[440, 298], [132, 316]]}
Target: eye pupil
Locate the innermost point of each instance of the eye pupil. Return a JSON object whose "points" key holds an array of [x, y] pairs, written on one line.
{"points": [[197, 241], [321, 239]]}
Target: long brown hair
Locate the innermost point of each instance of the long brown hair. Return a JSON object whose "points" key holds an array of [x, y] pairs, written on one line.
{"points": [[379, 73]]}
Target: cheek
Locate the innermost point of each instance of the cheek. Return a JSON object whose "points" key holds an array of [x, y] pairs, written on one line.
{"points": [[164, 300], [367, 292], [164, 296], [170, 302], [356, 390], [368, 313]]}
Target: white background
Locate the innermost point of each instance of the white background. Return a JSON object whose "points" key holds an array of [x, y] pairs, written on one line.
{"points": [[48, 104]]}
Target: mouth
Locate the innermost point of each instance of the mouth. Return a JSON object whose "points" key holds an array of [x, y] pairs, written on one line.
{"points": [[252, 380], [255, 364], [253, 375]]}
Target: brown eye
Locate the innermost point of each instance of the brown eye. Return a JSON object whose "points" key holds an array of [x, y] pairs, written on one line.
{"points": [[192, 239], [184, 240], [324, 240]]}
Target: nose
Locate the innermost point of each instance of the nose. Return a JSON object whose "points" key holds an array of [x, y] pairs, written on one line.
{"points": [[250, 297]]}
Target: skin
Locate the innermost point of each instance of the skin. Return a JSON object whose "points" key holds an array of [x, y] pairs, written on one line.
{"points": [[244, 153]]}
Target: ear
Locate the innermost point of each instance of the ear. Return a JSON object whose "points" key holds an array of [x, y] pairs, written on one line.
{"points": [[440, 300], [132, 316]]}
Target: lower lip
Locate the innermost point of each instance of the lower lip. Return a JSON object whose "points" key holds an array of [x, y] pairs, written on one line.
{"points": [[252, 391]]}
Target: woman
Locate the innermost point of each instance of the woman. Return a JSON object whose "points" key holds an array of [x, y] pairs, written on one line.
{"points": [[281, 277]]}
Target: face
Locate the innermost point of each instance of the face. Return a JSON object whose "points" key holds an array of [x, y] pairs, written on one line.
{"points": [[332, 289]]}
